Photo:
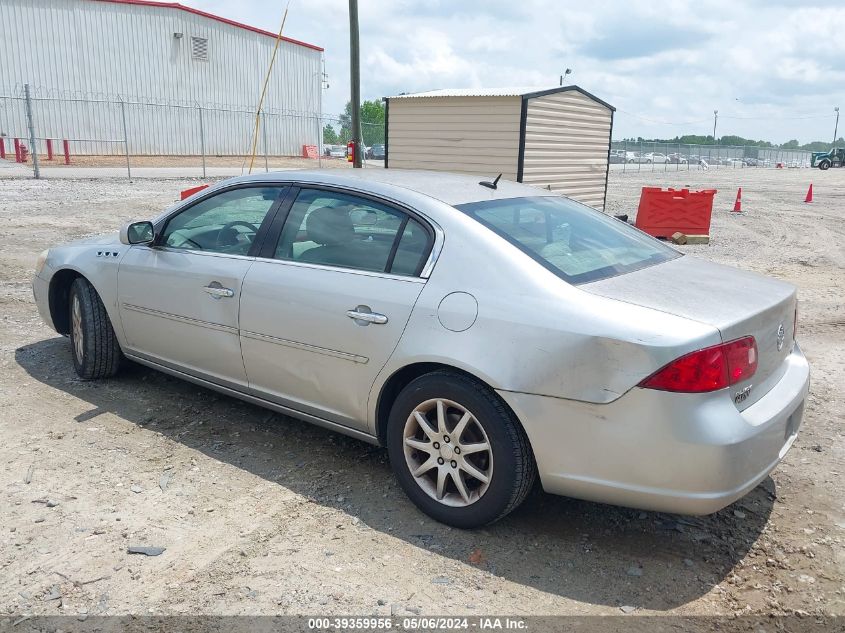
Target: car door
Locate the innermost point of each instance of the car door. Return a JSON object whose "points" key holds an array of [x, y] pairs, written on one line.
{"points": [[323, 311], [178, 297]]}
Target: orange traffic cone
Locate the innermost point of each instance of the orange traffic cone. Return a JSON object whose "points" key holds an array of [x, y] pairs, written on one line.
{"points": [[738, 203], [809, 197]]}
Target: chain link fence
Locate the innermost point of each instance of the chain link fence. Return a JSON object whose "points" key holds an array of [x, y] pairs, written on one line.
{"points": [[39, 125], [638, 156], [60, 127]]}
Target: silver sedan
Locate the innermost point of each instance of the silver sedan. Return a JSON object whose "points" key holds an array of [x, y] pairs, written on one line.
{"points": [[488, 334]]}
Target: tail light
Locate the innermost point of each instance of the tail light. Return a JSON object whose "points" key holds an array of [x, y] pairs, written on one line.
{"points": [[707, 369]]}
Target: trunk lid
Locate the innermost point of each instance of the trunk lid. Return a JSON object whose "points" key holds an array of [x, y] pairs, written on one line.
{"points": [[736, 302]]}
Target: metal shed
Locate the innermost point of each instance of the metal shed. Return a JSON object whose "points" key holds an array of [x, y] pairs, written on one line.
{"points": [[557, 138]]}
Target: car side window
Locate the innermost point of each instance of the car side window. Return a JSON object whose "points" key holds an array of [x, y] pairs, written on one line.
{"points": [[225, 223], [336, 229], [412, 250]]}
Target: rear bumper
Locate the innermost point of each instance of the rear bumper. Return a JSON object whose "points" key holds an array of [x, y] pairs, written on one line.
{"points": [[683, 453]]}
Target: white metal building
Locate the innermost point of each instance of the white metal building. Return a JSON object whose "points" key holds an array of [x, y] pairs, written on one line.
{"points": [[165, 61], [557, 138]]}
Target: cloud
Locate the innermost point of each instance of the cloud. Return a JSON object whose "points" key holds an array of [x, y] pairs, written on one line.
{"points": [[634, 41], [755, 61]]}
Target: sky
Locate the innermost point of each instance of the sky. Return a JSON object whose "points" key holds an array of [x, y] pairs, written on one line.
{"points": [[774, 69]]}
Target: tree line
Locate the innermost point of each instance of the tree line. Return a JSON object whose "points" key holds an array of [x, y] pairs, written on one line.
{"points": [[731, 140], [373, 115], [372, 125]]}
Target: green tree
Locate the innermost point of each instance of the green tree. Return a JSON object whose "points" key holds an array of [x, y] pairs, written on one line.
{"points": [[823, 146], [732, 140], [329, 135], [372, 122]]}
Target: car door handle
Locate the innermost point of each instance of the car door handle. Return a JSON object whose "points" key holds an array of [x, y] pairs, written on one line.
{"points": [[363, 316], [218, 291]]}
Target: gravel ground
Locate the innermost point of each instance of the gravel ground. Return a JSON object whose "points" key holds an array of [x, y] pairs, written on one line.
{"points": [[261, 514]]}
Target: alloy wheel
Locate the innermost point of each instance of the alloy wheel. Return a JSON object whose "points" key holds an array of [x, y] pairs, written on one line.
{"points": [[448, 453], [76, 324]]}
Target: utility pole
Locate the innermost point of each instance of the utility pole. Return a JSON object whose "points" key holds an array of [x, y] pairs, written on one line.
{"points": [[715, 118], [355, 80], [836, 126]]}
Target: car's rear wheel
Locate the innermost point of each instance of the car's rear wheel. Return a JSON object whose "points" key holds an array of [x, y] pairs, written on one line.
{"points": [[95, 350], [458, 452]]}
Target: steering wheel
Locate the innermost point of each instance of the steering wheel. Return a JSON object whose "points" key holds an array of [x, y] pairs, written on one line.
{"points": [[234, 223]]}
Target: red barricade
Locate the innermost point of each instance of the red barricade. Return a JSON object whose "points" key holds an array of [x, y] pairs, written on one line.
{"points": [[187, 193], [664, 213]]}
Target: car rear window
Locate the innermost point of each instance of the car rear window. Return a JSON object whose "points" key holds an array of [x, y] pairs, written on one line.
{"points": [[572, 240]]}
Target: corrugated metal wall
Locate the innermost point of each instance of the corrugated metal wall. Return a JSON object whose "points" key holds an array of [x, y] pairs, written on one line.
{"points": [[82, 56], [475, 135], [567, 136]]}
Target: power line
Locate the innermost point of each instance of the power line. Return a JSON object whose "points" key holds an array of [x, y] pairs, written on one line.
{"points": [[779, 118], [728, 116], [639, 116]]}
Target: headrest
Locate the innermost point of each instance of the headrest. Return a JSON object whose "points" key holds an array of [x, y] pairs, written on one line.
{"points": [[330, 225]]}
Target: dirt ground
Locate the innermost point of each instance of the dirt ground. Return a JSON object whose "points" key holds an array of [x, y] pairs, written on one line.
{"points": [[261, 514]]}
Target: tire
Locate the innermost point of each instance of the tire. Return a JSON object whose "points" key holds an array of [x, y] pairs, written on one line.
{"points": [[94, 347], [824, 165], [508, 460]]}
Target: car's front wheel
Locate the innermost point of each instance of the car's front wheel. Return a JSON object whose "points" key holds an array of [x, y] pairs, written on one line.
{"points": [[458, 452], [95, 350]]}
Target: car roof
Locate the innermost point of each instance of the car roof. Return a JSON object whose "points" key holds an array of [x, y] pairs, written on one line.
{"points": [[453, 189]]}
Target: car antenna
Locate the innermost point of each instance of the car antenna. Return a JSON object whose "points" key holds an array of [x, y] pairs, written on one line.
{"points": [[491, 185]]}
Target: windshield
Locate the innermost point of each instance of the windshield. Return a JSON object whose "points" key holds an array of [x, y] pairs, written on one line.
{"points": [[574, 241]]}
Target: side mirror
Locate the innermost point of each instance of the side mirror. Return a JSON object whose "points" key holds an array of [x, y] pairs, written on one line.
{"points": [[137, 233]]}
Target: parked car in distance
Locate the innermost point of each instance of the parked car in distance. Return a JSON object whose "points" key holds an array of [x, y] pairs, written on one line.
{"points": [[656, 157], [678, 159], [337, 151], [377, 152], [485, 335], [617, 156]]}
